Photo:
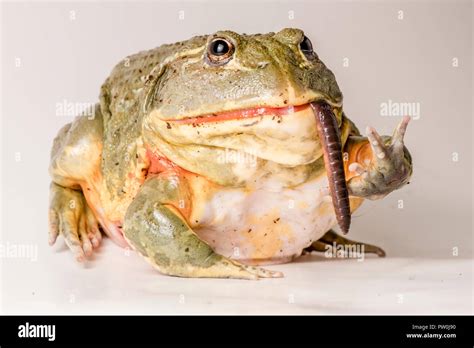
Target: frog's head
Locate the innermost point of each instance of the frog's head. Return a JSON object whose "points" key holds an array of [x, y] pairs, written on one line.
{"points": [[243, 92]]}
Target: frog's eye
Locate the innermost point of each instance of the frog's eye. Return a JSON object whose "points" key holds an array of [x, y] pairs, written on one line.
{"points": [[219, 51], [307, 47]]}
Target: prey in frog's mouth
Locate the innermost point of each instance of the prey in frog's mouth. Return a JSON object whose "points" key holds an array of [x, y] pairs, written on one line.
{"points": [[328, 132], [330, 137]]}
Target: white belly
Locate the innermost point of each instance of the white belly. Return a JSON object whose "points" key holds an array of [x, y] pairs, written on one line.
{"points": [[266, 225]]}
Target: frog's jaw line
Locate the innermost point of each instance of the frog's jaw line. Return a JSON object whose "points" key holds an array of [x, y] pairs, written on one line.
{"points": [[232, 110], [240, 114], [329, 136]]}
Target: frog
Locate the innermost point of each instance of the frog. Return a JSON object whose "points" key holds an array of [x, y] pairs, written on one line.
{"points": [[205, 157]]}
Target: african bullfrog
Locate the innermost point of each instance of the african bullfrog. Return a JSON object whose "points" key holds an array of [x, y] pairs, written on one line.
{"points": [[213, 156]]}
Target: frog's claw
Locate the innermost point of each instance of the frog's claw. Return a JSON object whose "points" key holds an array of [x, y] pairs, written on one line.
{"points": [[226, 268], [386, 167], [331, 238], [157, 230], [258, 272], [70, 216]]}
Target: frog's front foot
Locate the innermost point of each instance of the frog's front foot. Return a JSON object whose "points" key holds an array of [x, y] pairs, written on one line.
{"points": [[384, 164], [71, 217]]}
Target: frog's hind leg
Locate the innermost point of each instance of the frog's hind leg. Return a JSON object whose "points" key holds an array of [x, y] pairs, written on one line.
{"points": [[331, 239], [159, 232]]}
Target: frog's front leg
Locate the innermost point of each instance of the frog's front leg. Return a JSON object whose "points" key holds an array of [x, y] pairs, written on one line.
{"points": [[378, 165], [158, 231], [75, 157], [71, 217]]}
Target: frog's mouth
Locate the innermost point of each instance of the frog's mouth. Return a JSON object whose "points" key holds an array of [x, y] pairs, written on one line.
{"points": [[241, 114], [329, 136]]}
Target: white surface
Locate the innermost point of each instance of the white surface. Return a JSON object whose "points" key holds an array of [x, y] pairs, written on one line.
{"points": [[115, 282]]}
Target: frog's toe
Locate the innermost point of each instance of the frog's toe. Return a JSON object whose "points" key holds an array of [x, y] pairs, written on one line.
{"points": [[94, 239], [93, 231], [53, 227], [84, 237], [254, 272], [66, 225], [70, 233], [264, 273]]}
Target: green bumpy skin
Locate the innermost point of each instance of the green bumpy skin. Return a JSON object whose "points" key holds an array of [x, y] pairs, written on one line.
{"points": [[154, 169]]}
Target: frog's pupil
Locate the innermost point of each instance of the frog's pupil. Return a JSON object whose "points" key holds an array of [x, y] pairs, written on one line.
{"points": [[306, 45], [220, 47]]}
